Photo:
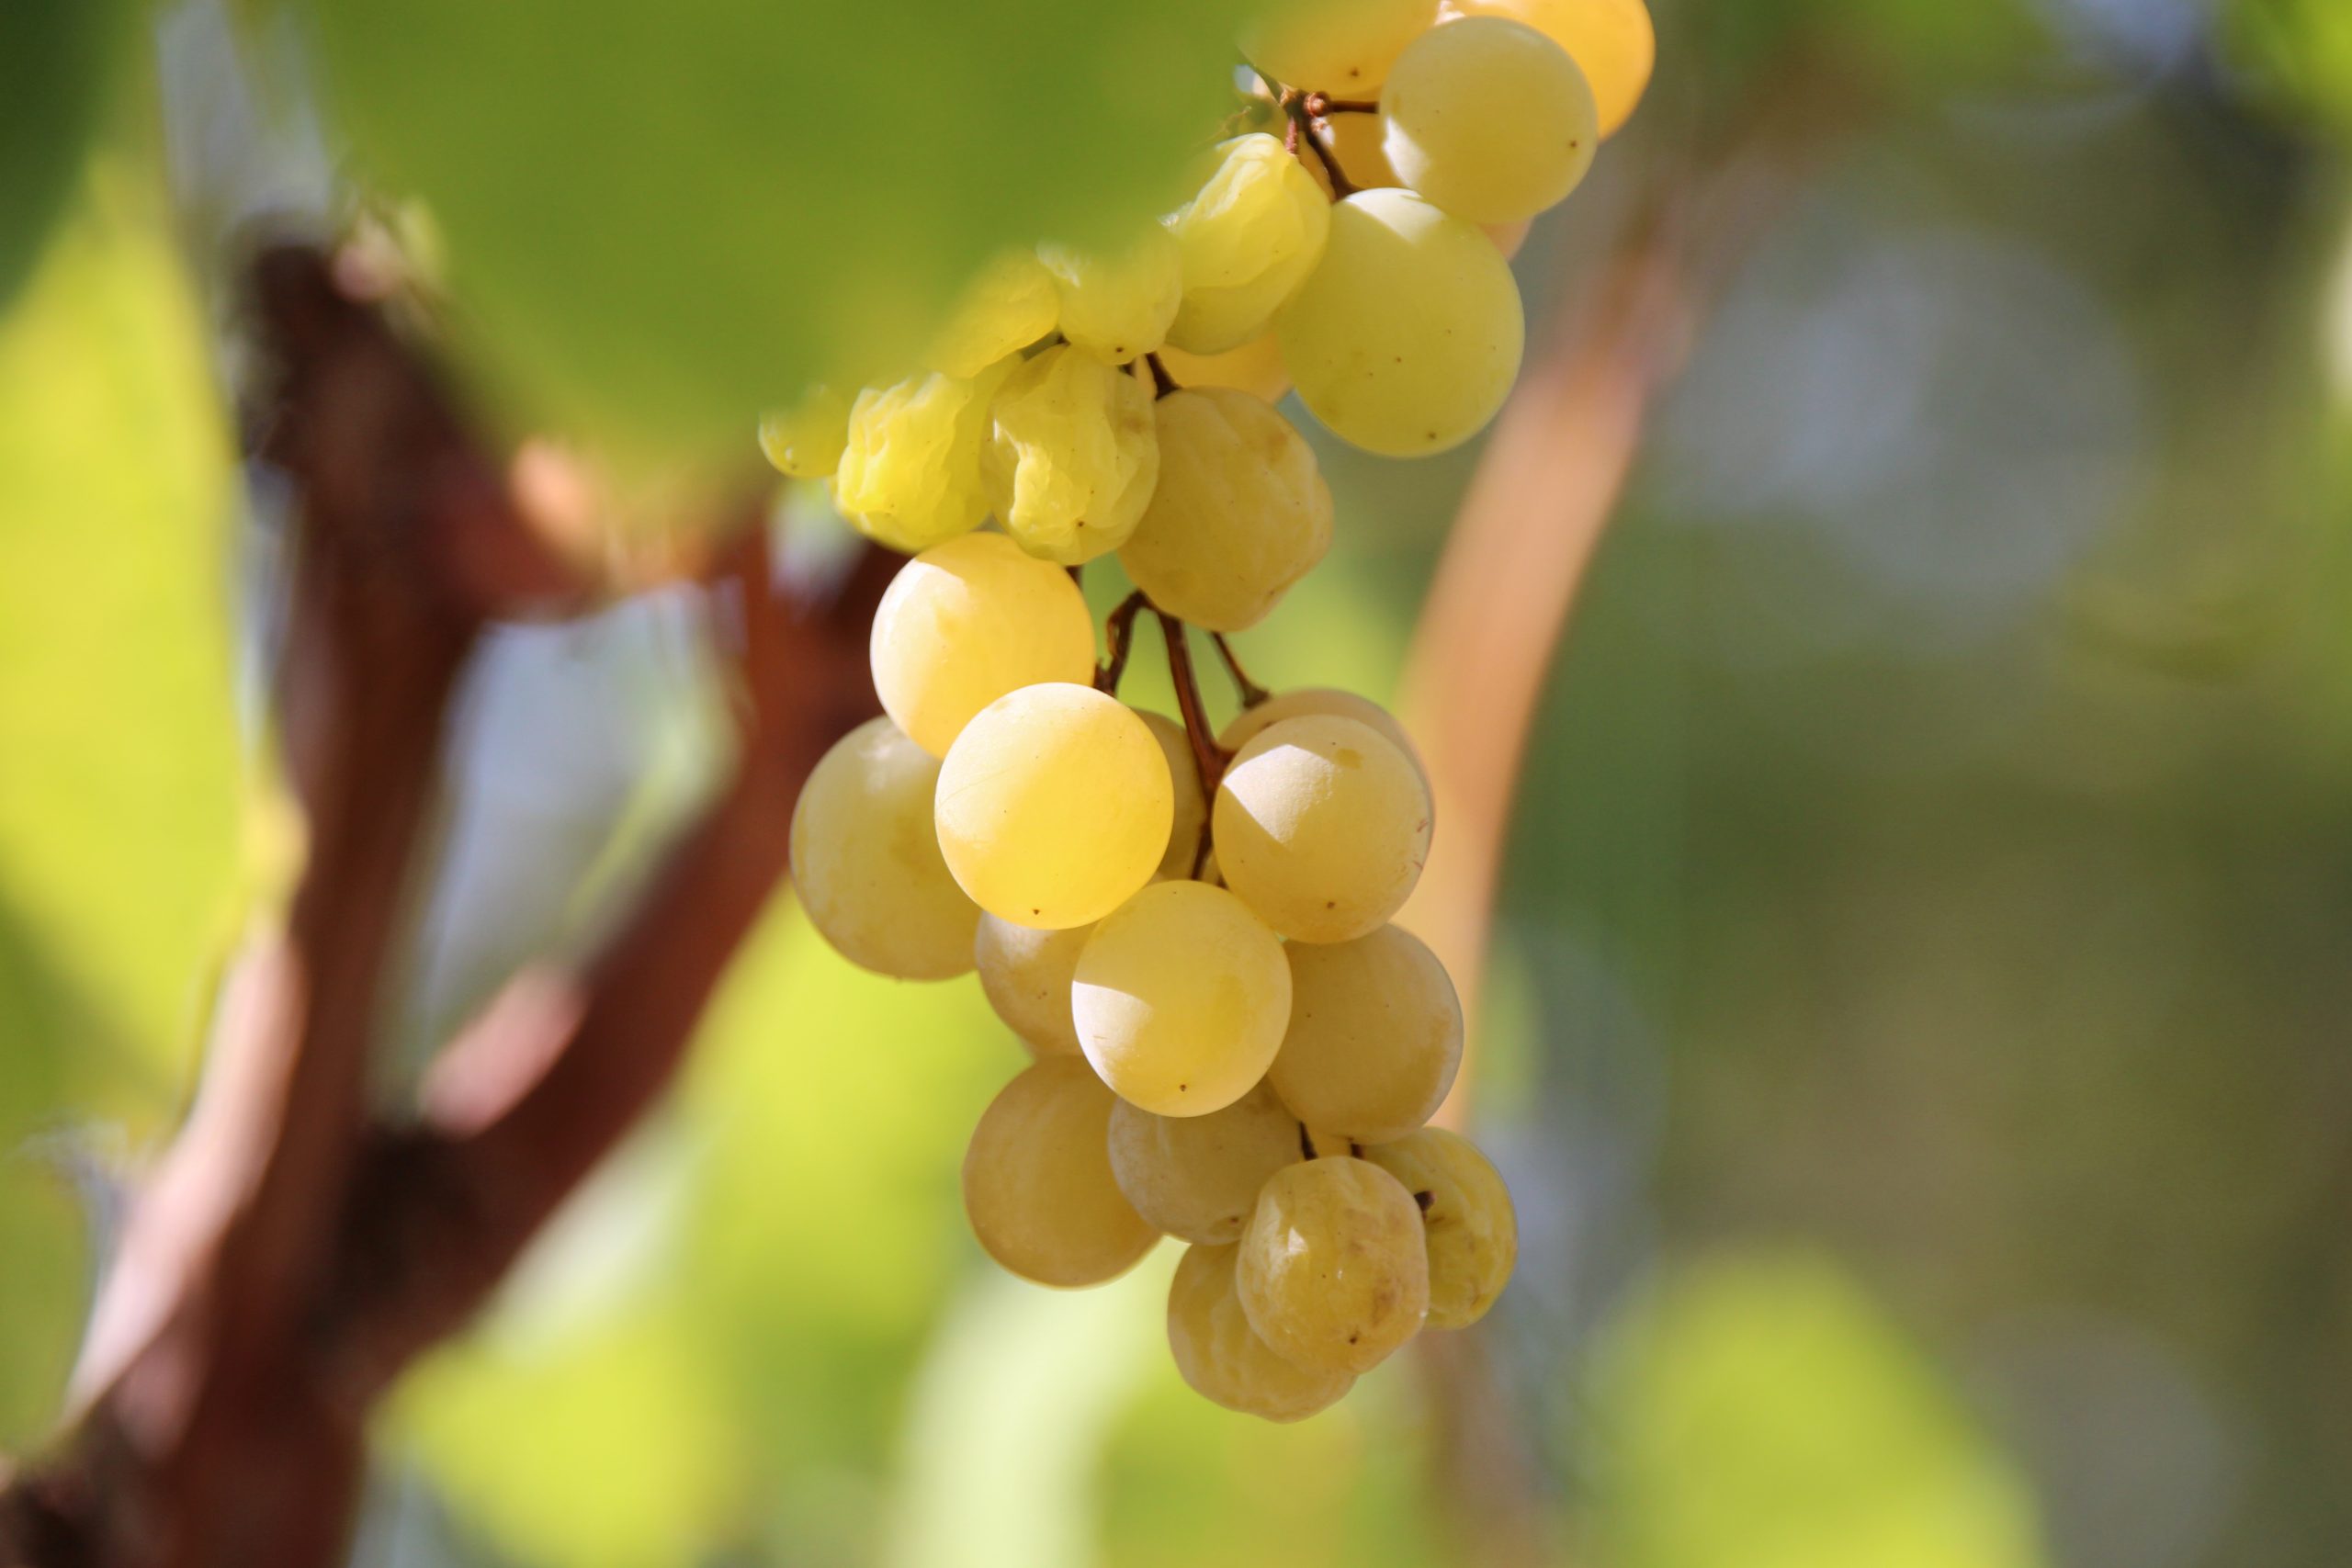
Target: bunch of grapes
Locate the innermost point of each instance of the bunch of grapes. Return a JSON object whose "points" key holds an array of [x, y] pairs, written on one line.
{"points": [[1190, 929]]}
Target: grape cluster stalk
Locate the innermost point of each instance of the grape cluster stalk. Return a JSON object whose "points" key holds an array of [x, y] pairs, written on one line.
{"points": [[1189, 927]]}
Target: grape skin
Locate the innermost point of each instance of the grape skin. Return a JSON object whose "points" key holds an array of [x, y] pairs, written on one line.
{"points": [[1025, 974], [1037, 1185], [1341, 47], [910, 474], [1224, 1359], [868, 865], [1198, 1176], [1054, 806], [966, 622], [805, 441], [1321, 827], [1073, 455], [1301, 701], [1449, 136], [1248, 237], [1180, 998], [1118, 305], [1255, 368], [1333, 1272], [1613, 41], [1471, 1229], [1374, 1038], [1191, 814], [1011, 304]]}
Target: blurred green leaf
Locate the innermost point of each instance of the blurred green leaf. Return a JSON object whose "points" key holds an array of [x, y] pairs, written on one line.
{"points": [[2301, 51], [44, 1261], [54, 56]]}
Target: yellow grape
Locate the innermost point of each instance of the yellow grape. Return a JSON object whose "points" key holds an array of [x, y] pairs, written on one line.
{"points": [[805, 441], [1256, 368], [1116, 305], [1341, 47], [1321, 827], [1374, 1039], [1240, 513], [1406, 340], [1467, 1215], [1025, 974], [1190, 815], [867, 864], [968, 621], [1181, 999], [1613, 41], [1054, 806], [1072, 457], [1488, 119], [1223, 1357], [1248, 237], [1197, 1177], [909, 475], [1037, 1185], [1011, 304], [1354, 140], [1332, 1271], [1301, 701]]}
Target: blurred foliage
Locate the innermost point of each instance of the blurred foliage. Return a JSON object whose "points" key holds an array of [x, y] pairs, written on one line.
{"points": [[56, 59]]}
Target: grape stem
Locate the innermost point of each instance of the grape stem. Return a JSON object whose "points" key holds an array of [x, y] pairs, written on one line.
{"points": [[1249, 691], [1160, 378], [1208, 758], [1118, 637], [1300, 106], [1322, 105]]}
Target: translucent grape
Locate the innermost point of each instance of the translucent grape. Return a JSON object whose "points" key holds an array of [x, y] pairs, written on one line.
{"points": [[1116, 305], [1488, 119], [1333, 1272], [1248, 237], [868, 865], [1181, 999], [1037, 1185], [1467, 1215], [1054, 806], [1374, 1039], [1223, 1357], [1240, 513], [1354, 140], [1011, 304], [1197, 1177], [1025, 974], [805, 441], [1406, 340], [1301, 701], [1321, 827], [909, 476], [1613, 41], [1341, 47], [1191, 808], [968, 621], [1073, 455], [1256, 368]]}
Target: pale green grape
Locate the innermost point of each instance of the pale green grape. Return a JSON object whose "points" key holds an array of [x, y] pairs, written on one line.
{"points": [[1181, 999], [1376, 1036], [867, 864], [1037, 1183], [1118, 304], [1301, 701], [1072, 457], [1341, 47], [1333, 1272], [1011, 304], [805, 441], [1191, 809], [1197, 1177], [1248, 237], [1406, 340], [1223, 1357], [1321, 827], [1240, 513], [1613, 41], [1488, 119], [1025, 974], [909, 475], [1255, 368], [968, 621], [1054, 806], [1467, 1215]]}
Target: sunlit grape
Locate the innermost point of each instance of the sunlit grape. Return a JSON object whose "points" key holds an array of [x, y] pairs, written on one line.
{"points": [[1374, 1038], [1613, 41], [867, 864], [1333, 1272], [1248, 237], [1011, 304], [1467, 1215], [909, 475], [1191, 814], [1116, 304], [805, 441], [1073, 455], [1489, 119], [1256, 368], [1321, 827], [1341, 47], [1037, 1185], [1224, 1359], [1300, 701]]}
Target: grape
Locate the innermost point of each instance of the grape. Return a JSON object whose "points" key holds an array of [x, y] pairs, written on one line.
{"points": [[1321, 827], [1223, 1357], [1301, 701], [1248, 237], [805, 441], [1242, 511], [868, 865], [1181, 999], [1354, 141], [1009, 306], [1119, 305], [910, 476], [1376, 1036], [1191, 809], [1037, 1183], [1025, 974], [1406, 340], [1341, 47], [1613, 41], [968, 621], [1255, 368], [1332, 1271], [1489, 119], [1072, 457], [1467, 1215], [1197, 1177], [1054, 806]]}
